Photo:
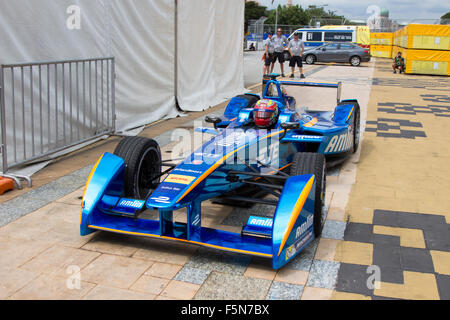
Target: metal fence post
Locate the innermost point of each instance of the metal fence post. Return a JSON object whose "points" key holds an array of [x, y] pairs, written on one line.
{"points": [[113, 93], [3, 121]]}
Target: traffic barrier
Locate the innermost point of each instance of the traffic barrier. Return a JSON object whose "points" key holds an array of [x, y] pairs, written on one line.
{"points": [[48, 107]]}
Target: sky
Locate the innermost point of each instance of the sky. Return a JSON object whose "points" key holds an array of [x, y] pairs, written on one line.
{"points": [[357, 9]]}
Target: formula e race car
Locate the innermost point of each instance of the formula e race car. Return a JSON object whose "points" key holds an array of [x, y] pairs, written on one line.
{"points": [[283, 167]]}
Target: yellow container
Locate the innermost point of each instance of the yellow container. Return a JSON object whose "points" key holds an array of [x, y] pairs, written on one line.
{"points": [[381, 51], [425, 36], [427, 61], [382, 38]]}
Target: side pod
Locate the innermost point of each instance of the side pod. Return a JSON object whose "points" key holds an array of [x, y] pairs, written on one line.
{"points": [[293, 220], [107, 175]]}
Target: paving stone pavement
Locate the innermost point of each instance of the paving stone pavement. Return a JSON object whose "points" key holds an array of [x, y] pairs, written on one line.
{"points": [[377, 216], [397, 241]]}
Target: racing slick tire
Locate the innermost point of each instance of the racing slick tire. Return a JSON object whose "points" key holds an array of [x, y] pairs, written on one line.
{"points": [[356, 124], [356, 128], [355, 61], [310, 59], [313, 163], [142, 157]]}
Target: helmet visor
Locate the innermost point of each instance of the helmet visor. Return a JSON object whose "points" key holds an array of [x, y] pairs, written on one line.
{"points": [[264, 114]]}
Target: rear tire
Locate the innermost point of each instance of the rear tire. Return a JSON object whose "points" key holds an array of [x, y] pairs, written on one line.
{"points": [[356, 128], [142, 159], [313, 163], [356, 124]]}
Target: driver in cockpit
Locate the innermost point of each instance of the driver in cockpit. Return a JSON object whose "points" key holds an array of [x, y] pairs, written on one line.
{"points": [[265, 114]]}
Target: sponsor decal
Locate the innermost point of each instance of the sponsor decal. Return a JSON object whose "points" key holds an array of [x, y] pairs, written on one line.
{"points": [[292, 250], [188, 171], [197, 162], [161, 199], [166, 188], [340, 143], [304, 227], [260, 222], [128, 203], [300, 137], [180, 179]]}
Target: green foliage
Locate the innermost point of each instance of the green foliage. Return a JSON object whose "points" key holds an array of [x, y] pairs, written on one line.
{"points": [[296, 15], [446, 16], [253, 11]]}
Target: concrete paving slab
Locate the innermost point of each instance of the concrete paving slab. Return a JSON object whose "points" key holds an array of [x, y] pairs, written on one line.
{"points": [[224, 286]]}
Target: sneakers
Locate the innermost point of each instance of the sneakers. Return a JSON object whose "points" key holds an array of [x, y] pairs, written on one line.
{"points": [[283, 75], [302, 76], [292, 76], [395, 72]]}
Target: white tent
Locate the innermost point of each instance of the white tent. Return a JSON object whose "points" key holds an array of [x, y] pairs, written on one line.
{"points": [[165, 50], [140, 34]]}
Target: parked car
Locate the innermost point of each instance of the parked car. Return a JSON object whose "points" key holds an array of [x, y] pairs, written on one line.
{"points": [[337, 52]]}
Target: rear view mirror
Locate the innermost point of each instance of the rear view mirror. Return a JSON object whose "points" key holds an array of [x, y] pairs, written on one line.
{"points": [[213, 120], [290, 125]]}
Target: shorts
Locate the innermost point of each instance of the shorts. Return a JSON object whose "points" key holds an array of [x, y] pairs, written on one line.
{"points": [[296, 60], [268, 60], [279, 56]]}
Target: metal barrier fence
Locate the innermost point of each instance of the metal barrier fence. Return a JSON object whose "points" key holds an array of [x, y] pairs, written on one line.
{"points": [[48, 107]]}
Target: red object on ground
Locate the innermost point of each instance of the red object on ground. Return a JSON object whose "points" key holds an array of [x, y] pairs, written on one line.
{"points": [[6, 184]]}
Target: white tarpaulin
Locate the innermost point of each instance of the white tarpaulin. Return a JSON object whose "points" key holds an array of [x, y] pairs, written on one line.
{"points": [[140, 34], [210, 52]]}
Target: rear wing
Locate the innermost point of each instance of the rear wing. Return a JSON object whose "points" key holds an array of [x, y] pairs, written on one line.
{"points": [[329, 85]]}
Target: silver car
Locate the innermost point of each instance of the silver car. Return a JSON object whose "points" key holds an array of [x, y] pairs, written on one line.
{"points": [[337, 52]]}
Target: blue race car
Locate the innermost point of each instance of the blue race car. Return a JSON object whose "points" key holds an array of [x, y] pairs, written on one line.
{"points": [[281, 166]]}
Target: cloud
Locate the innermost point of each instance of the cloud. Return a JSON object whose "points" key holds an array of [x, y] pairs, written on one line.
{"points": [[398, 9]]}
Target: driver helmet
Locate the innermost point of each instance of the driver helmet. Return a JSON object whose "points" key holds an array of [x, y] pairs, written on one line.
{"points": [[266, 114]]}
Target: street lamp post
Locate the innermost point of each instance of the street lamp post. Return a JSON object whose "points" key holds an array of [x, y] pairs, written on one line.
{"points": [[276, 16]]}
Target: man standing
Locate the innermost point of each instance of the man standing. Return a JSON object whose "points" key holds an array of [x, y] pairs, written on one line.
{"points": [[268, 58], [296, 49], [399, 63], [279, 41]]}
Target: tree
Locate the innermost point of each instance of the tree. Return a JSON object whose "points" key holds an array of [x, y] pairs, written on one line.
{"points": [[253, 11], [446, 16], [296, 15], [293, 15]]}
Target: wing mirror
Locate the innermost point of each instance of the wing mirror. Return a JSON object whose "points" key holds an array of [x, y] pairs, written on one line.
{"points": [[324, 49], [290, 125], [214, 120]]}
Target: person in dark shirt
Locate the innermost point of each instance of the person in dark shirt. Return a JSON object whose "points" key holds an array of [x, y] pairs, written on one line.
{"points": [[399, 63]]}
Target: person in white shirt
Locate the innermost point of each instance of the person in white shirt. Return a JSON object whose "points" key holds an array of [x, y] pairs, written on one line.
{"points": [[296, 49], [268, 57], [279, 42]]}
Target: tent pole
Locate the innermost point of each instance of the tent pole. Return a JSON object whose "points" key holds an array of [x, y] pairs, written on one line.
{"points": [[176, 55]]}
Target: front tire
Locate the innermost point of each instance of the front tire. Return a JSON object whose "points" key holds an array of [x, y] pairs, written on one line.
{"points": [[142, 158], [355, 61], [310, 59], [313, 163]]}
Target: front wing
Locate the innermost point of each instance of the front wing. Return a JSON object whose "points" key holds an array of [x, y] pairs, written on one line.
{"points": [[279, 238]]}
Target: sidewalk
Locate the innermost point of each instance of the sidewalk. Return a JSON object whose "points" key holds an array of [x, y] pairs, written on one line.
{"points": [[399, 208]]}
